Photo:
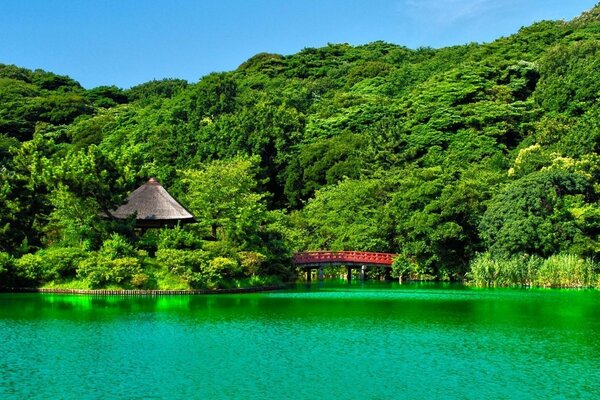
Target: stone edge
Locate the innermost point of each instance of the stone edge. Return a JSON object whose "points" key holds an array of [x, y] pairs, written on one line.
{"points": [[140, 292]]}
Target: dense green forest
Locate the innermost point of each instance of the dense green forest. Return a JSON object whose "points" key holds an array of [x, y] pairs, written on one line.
{"points": [[476, 162]]}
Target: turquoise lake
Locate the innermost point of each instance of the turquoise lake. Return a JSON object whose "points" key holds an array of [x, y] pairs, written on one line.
{"points": [[329, 341]]}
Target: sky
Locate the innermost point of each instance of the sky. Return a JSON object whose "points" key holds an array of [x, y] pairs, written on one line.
{"points": [[128, 42]]}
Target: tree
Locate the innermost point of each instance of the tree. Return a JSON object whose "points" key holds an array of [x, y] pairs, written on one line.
{"points": [[351, 215], [222, 197], [532, 215], [86, 186]]}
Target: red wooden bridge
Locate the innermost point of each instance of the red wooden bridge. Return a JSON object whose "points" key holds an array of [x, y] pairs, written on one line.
{"points": [[343, 257], [309, 260]]}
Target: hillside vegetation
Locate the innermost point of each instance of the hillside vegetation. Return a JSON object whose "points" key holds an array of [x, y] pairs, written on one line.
{"points": [[478, 161]]}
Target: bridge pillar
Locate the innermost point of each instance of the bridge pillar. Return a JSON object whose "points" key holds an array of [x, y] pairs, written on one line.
{"points": [[321, 273], [308, 274], [363, 272], [349, 273]]}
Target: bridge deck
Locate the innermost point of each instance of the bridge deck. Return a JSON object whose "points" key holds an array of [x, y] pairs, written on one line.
{"points": [[343, 257]]}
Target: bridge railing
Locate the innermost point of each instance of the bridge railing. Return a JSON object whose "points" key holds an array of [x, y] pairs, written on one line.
{"points": [[357, 257]]}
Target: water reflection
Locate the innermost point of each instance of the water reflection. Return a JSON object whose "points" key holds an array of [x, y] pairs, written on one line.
{"points": [[330, 340], [419, 304]]}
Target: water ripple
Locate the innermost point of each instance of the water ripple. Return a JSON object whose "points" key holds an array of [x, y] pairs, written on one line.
{"points": [[347, 343]]}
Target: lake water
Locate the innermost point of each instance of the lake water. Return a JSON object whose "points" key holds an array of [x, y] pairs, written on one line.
{"points": [[374, 341]]}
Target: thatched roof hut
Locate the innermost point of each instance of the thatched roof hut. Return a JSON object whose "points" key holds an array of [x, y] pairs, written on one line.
{"points": [[154, 207]]}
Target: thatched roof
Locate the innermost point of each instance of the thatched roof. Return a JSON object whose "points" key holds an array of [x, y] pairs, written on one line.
{"points": [[153, 206]]}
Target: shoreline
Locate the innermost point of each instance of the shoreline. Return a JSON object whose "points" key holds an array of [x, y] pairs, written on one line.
{"points": [[148, 292]]}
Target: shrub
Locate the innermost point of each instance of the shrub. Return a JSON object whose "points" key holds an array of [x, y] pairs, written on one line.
{"points": [[264, 280], [219, 269], [29, 268], [140, 280], [187, 264], [198, 267], [117, 246], [6, 264], [251, 262], [405, 266], [62, 262], [48, 265], [98, 270], [176, 238]]}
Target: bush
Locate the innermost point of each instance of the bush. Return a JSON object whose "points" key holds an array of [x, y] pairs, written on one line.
{"points": [[140, 280], [29, 268], [6, 264], [407, 267], [117, 246], [251, 262], [264, 280], [117, 262], [62, 262], [176, 238], [199, 268], [49, 264], [219, 269], [4, 257], [187, 264], [98, 270]]}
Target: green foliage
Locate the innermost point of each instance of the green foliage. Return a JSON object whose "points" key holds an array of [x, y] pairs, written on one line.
{"points": [[6, 267], [570, 81], [264, 63], [29, 97], [186, 264], [407, 267], [52, 82], [156, 89], [222, 196], [489, 271], [214, 95], [531, 215], [437, 155], [177, 238], [117, 247], [251, 262], [49, 264], [199, 268], [90, 131], [99, 270], [567, 270], [221, 269], [324, 162], [117, 262], [348, 216], [107, 96], [560, 270]]}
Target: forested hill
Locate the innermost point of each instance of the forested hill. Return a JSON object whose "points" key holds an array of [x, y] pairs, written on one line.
{"points": [[448, 157]]}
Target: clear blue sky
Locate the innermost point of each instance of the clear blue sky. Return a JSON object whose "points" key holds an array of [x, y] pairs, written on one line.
{"points": [[127, 42]]}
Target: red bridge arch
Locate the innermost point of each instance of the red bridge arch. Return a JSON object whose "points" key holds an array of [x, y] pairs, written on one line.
{"points": [[318, 258], [309, 260]]}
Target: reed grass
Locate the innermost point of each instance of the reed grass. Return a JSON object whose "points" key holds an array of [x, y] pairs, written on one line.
{"points": [[558, 271]]}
